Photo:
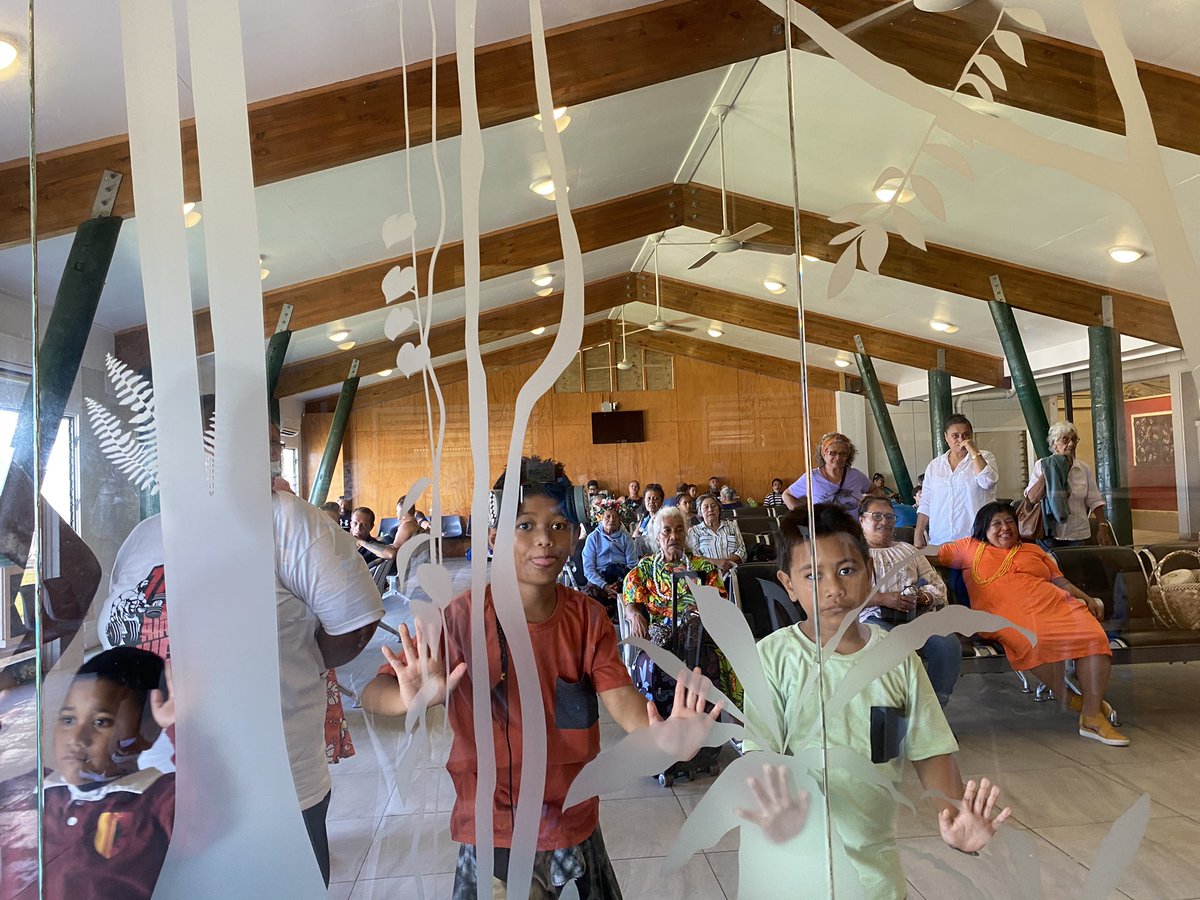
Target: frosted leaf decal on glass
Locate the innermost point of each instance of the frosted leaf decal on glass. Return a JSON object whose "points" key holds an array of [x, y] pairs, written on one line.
{"points": [[398, 228], [399, 320], [411, 359], [398, 282]]}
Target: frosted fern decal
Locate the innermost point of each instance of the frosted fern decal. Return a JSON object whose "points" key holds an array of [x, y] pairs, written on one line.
{"points": [[133, 447]]}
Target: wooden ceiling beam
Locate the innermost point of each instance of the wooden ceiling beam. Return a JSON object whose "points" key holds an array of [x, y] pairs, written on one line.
{"points": [[450, 337], [450, 373], [826, 331], [329, 126], [722, 354], [502, 252], [946, 269], [362, 118]]}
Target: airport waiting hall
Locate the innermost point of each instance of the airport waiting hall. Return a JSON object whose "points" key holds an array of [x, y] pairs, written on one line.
{"points": [[840, 355]]}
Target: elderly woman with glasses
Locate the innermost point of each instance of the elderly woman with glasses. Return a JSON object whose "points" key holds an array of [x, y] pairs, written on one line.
{"points": [[907, 586], [833, 480], [1067, 490]]}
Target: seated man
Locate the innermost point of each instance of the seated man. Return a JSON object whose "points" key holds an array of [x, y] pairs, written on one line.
{"points": [[362, 523], [729, 498]]}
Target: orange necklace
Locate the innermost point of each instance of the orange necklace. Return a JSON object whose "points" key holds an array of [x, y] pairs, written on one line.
{"points": [[1000, 572]]}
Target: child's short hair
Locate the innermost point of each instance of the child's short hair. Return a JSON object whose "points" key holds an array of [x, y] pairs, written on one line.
{"points": [[138, 671], [828, 519]]}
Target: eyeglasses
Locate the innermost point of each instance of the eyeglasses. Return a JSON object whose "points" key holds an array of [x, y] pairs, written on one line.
{"points": [[881, 517]]}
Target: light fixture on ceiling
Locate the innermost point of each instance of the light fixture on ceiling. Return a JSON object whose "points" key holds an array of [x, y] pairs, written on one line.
{"points": [[810, 257], [338, 336], [715, 330], [561, 119], [773, 286], [1125, 254], [545, 292], [886, 191], [940, 5], [943, 326], [544, 280], [384, 373], [8, 53], [544, 187], [842, 363], [191, 218], [263, 271], [346, 345], [541, 329]]}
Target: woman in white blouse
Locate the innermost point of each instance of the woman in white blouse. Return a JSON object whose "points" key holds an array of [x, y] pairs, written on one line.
{"points": [[907, 586], [1084, 500], [957, 485]]}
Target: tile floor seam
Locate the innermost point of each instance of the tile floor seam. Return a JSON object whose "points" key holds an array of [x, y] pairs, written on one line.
{"points": [[1116, 779]]}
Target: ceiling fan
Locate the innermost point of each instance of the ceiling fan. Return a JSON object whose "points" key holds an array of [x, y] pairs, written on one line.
{"points": [[624, 364], [659, 324], [727, 242]]}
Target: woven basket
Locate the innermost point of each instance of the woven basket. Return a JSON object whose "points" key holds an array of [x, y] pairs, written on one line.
{"points": [[1175, 605]]}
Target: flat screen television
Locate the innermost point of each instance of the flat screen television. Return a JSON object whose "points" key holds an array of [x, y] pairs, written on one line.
{"points": [[624, 427]]}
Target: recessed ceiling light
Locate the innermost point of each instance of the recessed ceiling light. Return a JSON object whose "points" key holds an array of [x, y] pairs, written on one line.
{"points": [[842, 363], [561, 119], [715, 330], [339, 336], [1125, 254], [544, 187], [810, 257], [384, 373], [8, 53], [545, 292], [543, 280], [346, 345], [943, 326], [775, 287], [191, 218], [541, 329], [887, 191]]}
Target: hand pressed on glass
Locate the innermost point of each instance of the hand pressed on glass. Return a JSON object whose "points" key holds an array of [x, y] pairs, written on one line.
{"points": [[684, 733], [975, 822], [419, 670], [781, 813]]}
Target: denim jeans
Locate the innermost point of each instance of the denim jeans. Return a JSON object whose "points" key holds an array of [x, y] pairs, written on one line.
{"points": [[943, 659]]}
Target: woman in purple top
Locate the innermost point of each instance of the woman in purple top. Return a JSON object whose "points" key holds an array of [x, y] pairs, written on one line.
{"points": [[833, 480]]}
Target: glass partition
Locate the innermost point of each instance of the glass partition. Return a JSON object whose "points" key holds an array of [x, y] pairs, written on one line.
{"points": [[469, 371]]}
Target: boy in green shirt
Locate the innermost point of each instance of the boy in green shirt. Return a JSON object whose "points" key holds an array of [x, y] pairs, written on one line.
{"points": [[893, 716]]}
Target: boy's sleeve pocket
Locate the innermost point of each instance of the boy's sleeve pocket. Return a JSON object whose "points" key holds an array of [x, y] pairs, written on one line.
{"points": [[889, 726]]}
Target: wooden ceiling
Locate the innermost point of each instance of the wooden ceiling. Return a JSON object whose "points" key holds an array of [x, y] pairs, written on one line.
{"points": [[359, 119]]}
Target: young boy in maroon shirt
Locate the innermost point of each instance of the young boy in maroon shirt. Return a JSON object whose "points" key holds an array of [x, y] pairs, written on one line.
{"points": [[107, 824]]}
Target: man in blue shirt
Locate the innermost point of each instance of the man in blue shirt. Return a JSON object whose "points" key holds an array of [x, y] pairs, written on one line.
{"points": [[608, 553]]}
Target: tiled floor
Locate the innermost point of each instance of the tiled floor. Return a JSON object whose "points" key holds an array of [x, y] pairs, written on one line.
{"points": [[1065, 791]]}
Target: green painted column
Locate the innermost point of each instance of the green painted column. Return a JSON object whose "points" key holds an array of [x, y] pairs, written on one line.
{"points": [[1108, 423], [883, 420], [276, 353], [333, 445], [940, 405], [1018, 366], [65, 335]]}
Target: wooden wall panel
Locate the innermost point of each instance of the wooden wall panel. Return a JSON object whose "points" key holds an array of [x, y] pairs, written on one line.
{"points": [[741, 426]]}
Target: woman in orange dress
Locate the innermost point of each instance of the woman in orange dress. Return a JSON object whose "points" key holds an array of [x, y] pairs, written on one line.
{"points": [[1022, 583]]}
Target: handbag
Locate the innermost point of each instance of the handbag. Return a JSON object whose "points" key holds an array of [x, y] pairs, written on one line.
{"points": [[1030, 522]]}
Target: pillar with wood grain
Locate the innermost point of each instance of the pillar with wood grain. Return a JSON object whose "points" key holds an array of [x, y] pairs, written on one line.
{"points": [[1023, 381], [1108, 423], [333, 444], [940, 404], [883, 421]]}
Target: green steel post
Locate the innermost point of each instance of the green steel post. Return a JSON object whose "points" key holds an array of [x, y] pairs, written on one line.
{"points": [[1108, 424], [1018, 366], [333, 446], [883, 420], [276, 352], [66, 335], [940, 405]]}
